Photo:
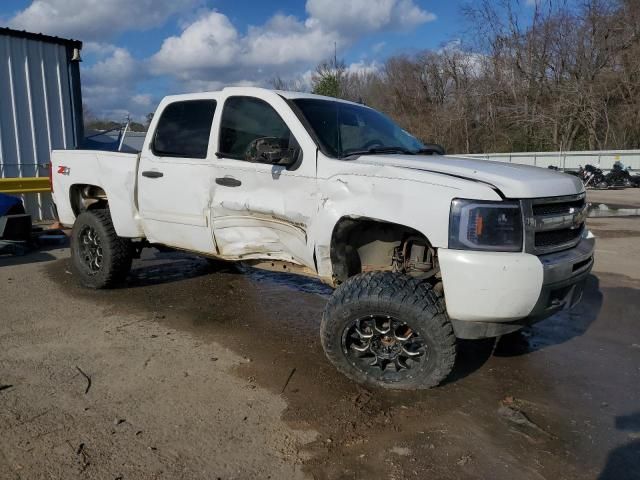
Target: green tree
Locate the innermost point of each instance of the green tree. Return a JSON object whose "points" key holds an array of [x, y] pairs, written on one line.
{"points": [[328, 85], [329, 78]]}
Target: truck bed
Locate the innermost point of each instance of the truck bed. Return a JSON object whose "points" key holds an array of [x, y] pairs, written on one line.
{"points": [[113, 172]]}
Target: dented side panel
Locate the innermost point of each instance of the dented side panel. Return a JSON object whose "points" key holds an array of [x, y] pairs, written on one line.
{"points": [[417, 199], [269, 211]]}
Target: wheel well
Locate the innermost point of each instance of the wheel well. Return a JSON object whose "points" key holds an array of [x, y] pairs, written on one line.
{"points": [[364, 244], [85, 197]]}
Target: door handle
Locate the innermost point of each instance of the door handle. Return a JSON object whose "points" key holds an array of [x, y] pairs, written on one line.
{"points": [[228, 182], [152, 174]]}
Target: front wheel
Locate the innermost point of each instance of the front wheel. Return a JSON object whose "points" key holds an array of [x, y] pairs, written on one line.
{"points": [[389, 330], [100, 259]]}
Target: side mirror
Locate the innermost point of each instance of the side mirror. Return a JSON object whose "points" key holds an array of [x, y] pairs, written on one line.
{"points": [[271, 150]]}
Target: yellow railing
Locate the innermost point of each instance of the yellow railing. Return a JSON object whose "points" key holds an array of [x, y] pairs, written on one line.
{"points": [[25, 185]]}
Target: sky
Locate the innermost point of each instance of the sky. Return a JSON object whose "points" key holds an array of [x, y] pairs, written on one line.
{"points": [[137, 51]]}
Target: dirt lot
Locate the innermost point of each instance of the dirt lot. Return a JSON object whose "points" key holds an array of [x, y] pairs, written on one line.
{"points": [[196, 372]]}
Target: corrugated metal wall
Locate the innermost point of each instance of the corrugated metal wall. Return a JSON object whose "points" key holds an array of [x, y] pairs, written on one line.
{"points": [[37, 111], [568, 160]]}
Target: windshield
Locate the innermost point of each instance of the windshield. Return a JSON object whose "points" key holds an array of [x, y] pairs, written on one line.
{"points": [[345, 129]]}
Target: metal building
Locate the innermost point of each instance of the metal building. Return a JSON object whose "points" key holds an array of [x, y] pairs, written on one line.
{"points": [[40, 106]]}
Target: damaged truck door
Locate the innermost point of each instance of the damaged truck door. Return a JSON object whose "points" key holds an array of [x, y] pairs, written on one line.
{"points": [[264, 192]]}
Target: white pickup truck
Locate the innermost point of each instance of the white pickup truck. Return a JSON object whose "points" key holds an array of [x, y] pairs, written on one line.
{"points": [[422, 248]]}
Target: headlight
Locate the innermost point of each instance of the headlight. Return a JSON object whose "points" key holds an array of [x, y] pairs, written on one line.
{"points": [[483, 225]]}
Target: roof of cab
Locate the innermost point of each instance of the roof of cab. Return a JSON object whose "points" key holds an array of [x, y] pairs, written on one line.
{"points": [[289, 95]]}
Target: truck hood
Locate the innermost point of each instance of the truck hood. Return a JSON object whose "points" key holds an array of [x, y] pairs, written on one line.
{"points": [[513, 180]]}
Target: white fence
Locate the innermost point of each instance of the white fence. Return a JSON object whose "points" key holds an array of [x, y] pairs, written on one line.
{"points": [[568, 160]]}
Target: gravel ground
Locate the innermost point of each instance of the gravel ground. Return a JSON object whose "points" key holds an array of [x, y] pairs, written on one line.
{"points": [[201, 373]]}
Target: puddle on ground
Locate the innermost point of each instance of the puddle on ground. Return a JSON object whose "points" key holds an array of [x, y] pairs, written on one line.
{"points": [[603, 210], [451, 432]]}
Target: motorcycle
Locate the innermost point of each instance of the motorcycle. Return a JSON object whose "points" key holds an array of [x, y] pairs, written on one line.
{"points": [[593, 177], [619, 176]]}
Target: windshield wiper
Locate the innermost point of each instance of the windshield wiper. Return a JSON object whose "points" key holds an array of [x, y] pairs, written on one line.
{"points": [[430, 149], [378, 150]]}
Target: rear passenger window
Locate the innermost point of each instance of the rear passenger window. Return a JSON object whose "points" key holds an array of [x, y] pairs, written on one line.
{"points": [[184, 128], [245, 119]]}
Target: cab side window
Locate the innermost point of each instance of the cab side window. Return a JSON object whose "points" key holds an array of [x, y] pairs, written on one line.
{"points": [[245, 119], [184, 129]]}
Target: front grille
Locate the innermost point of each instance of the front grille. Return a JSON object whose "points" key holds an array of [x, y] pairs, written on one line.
{"points": [[557, 237], [553, 224], [561, 208]]}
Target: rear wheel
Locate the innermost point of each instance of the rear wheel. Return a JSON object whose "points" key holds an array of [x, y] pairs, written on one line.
{"points": [[389, 330], [100, 259]]}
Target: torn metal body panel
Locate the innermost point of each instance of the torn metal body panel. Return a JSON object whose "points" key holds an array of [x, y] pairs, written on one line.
{"points": [[349, 189]]}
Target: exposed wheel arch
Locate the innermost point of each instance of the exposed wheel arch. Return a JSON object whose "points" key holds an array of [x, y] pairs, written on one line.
{"points": [[86, 197], [361, 244]]}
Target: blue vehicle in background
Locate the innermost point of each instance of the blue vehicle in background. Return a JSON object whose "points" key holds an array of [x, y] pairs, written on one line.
{"points": [[15, 225], [17, 235], [10, 205]]}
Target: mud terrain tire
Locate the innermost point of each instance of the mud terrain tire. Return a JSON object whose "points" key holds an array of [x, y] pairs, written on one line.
{"points": [[99, 258], [413, 305]]}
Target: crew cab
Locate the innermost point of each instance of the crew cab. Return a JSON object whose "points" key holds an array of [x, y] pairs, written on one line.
{"points": [[422, 248]]}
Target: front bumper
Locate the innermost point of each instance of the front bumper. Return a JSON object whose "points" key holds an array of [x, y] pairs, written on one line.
{"points": [[492, 293]]}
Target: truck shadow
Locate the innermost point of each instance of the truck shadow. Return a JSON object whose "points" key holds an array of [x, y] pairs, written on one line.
{"points": [[171, 266], [160, 267], [558, 328], [472, 355], [624, 462]]}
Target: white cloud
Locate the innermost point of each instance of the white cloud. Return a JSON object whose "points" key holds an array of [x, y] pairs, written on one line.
{"points": [[95, 19], [363, 16], [143, 100], [213, 42], [116, 69], [286, 40], [209, 42], [109, 85], [363, 67], [98, 49], [211, 51]]}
